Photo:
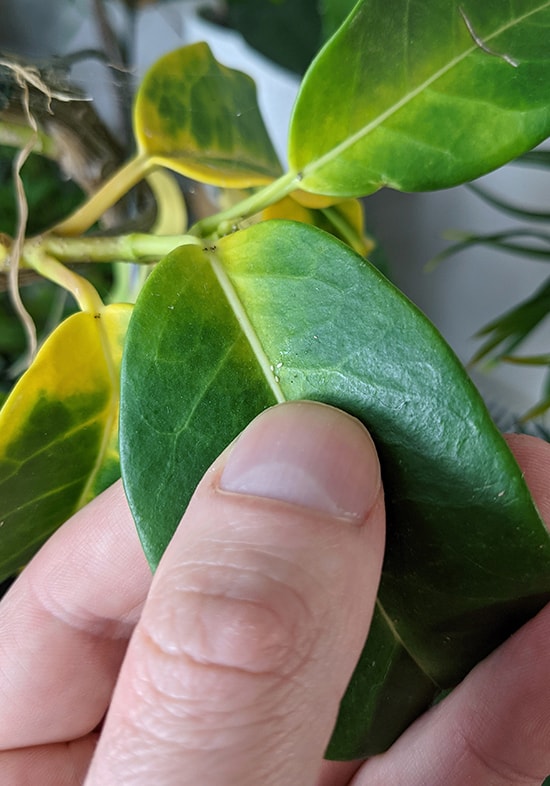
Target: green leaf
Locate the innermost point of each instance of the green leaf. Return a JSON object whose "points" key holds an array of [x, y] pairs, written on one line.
{"points": [[202, 120], [436, 94], [283, 311], [59, 432], [333, 14], [286, 31]]}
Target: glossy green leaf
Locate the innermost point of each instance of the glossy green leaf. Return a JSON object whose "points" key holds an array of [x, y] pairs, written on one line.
{"points": [[59, 432], [283, 311], [431, 95], [202, 119]]}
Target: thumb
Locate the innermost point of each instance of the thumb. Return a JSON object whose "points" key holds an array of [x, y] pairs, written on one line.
{"points": [[257, 613]]}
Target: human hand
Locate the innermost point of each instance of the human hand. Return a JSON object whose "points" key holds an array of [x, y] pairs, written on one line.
{"points": [[229, 668]]}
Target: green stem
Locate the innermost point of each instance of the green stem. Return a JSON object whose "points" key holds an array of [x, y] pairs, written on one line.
{"points": [[110, 192], [136, 247], [226, 221], [344, 228], [16, 135]]}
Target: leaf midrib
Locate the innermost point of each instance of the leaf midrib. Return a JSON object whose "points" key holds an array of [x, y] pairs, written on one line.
{"points": [[246, 326], [341, 148], [399, 640]]}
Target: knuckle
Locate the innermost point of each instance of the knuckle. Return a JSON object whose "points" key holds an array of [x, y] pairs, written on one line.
{"points": [[235, 617], [218, 642]]}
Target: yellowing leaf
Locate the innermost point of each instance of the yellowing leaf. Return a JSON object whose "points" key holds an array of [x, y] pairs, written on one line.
{"points": [[59, 432], [202, 119], [344, 220]]}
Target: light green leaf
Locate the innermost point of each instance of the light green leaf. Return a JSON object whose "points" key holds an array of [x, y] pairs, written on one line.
{"points": [[59, 432], [425, 97], [283, 311], [202, 120]]}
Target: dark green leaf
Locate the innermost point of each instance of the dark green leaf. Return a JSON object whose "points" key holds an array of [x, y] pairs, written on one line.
{"points": [[283, 311], [286, 31], [333, 13], [425, 97]]}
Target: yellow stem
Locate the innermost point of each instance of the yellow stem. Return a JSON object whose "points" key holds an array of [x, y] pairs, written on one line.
{"points": [[80, 288], [110, 192], [171, 209]]}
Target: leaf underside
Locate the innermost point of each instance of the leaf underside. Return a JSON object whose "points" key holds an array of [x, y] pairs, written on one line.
{"points": [[282, 311]]}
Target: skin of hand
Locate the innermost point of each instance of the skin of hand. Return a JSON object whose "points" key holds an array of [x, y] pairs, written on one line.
{"points": [[227, 668]]}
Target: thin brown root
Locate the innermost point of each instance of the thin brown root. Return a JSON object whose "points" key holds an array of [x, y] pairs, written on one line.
{"points": [[17, 248]]}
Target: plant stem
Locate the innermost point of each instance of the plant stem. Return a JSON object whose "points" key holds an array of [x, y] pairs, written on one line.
{"points": [[136, 247], [110, 192], [80, 288], [226, 221], [346, 231], [171, 208], [16, 135]]}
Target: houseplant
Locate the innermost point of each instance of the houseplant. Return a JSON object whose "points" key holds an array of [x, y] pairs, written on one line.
{"points": [[269, 298]]}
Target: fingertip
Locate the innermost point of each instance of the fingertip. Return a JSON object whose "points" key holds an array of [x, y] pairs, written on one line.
{"points": [[308, 454]]}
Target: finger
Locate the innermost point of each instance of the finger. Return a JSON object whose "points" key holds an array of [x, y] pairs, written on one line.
{"points": [[533, 456], [493, 730], [65, 624], [257, 613], [58, 764]]}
